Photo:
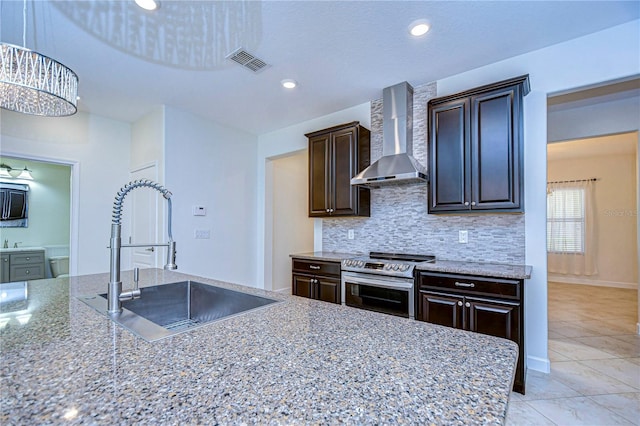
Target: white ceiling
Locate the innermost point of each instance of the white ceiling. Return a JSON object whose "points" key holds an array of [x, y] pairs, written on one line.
{"points": [[342, 53]]}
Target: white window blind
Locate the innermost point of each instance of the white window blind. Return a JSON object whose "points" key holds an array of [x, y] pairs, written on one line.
{"points": [[566, 220]]}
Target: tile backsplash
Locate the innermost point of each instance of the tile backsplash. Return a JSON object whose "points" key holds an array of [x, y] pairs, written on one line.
{"points": [[399, 221]]}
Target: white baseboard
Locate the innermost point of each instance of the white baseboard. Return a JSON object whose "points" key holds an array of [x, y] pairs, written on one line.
{"points": [[567, 279], [539, 364]]}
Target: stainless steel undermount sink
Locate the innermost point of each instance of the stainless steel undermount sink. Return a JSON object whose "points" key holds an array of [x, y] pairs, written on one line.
{"points": [[168, 309]]}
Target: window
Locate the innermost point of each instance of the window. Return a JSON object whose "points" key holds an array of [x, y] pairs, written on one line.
{"points": [[566, 220]]}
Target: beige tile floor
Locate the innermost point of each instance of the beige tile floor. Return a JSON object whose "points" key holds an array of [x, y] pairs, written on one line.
{"points": [[595, 361]]}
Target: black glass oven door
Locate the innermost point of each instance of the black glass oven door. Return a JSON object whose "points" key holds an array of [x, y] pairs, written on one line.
{"points": [[379, 299]]}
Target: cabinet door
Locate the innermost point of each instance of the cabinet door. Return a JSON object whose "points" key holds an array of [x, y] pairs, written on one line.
{"points": [[495, 149], [344, 166], [302, 286], [449, 156], [4, 268], [319, 175], [327, 290], [500, 319], [442, 309]]}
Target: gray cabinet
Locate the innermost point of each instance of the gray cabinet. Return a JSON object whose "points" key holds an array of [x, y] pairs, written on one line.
{"points": [[4, 268], [22, 266]]}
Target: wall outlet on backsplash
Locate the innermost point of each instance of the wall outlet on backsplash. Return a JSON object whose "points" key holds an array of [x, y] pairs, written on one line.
{"points": [[350, 234], [463, 237]]}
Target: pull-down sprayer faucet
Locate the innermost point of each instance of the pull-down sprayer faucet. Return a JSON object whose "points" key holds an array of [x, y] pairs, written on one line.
{"points": [[115, 295]]}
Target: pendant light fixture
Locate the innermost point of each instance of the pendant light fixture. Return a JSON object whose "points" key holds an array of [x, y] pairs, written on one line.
{"points": [[33, 83]]}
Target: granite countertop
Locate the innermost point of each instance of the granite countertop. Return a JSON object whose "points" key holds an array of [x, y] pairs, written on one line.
{"points": [[301, 361], [497, 270], [331, 256]]}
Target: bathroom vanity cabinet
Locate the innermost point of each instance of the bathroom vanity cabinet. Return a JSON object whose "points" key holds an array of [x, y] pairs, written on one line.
{"points": [[21, 265]]}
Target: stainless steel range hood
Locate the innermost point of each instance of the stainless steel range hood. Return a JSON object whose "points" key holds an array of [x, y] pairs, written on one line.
{"points": [[397, 164]]}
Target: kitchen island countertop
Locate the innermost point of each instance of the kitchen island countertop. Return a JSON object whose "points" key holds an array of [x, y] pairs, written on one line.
{"points": [[301, 361]]}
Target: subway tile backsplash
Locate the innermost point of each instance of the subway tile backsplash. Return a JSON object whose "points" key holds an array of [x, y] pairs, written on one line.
{"points": [[399, 221]]}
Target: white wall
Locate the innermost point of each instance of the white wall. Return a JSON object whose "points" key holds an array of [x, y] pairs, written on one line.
{"points": [[213, 166], [282, 142], [606, 55], [292, 226], [98, 149], [615, 203]]}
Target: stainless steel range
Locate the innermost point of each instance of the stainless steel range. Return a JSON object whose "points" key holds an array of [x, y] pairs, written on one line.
{"points": [[382, 282]]}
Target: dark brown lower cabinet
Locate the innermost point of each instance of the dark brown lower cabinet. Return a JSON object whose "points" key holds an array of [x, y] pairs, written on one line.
{"points": [[316, 280], [484, 305]]}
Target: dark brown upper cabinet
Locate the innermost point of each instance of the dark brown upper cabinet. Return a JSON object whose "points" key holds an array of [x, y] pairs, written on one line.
{"points": [[476, 149], [335, 156]]}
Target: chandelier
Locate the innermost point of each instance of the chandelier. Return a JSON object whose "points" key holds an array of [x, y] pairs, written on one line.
{"points": [[33, 83]]}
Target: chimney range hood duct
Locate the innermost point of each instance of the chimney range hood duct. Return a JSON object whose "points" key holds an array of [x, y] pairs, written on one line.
{"points": [[397, 164]]}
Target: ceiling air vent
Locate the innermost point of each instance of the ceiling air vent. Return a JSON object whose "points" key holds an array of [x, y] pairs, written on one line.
{"points": [[247, 60]]}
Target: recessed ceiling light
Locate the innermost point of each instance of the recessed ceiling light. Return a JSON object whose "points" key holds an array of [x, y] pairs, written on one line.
{"points": [[418, 28], [288, 83], [148, 4]]}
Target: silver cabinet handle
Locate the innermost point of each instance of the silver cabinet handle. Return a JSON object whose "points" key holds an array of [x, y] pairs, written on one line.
{"points": [[473, 203], [469, 285], [27, 272], [314, 267], [150, 249], [28, 258], [459, 303], [466, 203], [6, 260], [467, 304]]}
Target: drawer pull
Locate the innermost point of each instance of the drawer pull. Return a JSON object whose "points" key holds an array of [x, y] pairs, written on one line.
{"points": [[467, 285], [459, 303], [468, 305], [27, 272], [28, 258], [314, 267]]}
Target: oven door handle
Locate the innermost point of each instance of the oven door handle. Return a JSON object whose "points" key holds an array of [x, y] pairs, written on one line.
{"points": [[377, 282]]}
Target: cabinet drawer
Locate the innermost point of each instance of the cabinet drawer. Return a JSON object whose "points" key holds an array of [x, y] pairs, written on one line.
{"points": [[317, 267], [27, 272], [469, 284], [27, 258]]}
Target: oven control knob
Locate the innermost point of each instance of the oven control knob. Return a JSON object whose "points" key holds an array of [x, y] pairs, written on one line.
{"points": [[395, 266], [404, 268], [360, 263], [349, 262]]}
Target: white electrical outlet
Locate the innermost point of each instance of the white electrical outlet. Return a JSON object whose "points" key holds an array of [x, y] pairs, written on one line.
{"points": [[202, 234], [199, 211], [350, 234], [463, 237]]}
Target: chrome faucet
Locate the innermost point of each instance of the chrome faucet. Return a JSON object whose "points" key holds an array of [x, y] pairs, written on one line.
{"points": [[115, 295]]}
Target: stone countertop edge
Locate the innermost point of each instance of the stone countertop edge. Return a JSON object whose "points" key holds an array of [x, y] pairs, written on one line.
{"points": [[330, 256], [497, 270], [301, 361]]}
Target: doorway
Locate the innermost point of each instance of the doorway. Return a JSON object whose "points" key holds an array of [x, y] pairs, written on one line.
{"points": [[144, 219], [593, 134], [50, 208], [292, 227]]}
